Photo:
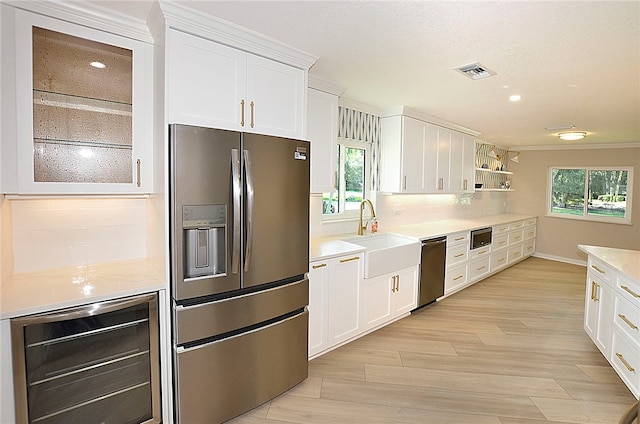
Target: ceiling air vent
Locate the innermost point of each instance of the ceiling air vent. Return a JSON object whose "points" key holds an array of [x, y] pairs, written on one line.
{"points": [[475, 71]]}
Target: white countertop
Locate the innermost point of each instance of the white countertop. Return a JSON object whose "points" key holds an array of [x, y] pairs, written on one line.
{"points": [[625, 261], [326, 247], [31, 293]]}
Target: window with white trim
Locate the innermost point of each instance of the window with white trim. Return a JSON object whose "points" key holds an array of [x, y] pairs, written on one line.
{"points": [[590, 193], [351, 181]]}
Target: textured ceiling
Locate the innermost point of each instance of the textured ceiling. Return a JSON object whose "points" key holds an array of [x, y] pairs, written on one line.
{"points": [[573, 63]]}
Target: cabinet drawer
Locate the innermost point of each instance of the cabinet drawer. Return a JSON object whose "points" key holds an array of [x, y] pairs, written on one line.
{"points": [[529, 222], [602, 270], [627, 318], [500, 241], [529, 247], [479, 268], [515, 253], [457, 254], [516, 225], [458, 238], [625, 358], [629, 290], [516, 237], [480, 252], [529, 233], [499, 259], [499, 229], [455, 277]]}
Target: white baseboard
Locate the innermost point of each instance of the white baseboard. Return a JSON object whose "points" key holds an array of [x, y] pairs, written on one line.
{"points": [[560, 259]]}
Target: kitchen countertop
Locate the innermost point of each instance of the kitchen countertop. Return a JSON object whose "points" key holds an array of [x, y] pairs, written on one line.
{"points": [[625, 261], [36, 292], [326, 247]]}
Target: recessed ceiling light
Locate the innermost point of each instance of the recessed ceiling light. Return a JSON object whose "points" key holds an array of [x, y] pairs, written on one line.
{"points": [[98, 65], [515, 98], [573, 135]]}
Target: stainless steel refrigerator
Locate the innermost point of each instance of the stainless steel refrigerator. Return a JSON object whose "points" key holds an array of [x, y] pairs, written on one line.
{"points": [[239, 252]]}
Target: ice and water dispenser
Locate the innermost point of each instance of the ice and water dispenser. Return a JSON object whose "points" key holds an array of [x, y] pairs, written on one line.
{"points": [[205, 230]]}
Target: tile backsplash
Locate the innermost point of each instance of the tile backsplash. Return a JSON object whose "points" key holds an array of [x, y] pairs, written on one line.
{"points": [[54, 233]]}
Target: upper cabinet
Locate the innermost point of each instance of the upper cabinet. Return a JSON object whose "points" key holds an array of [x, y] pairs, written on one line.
{"points": [[82, 110], [322, 132], [420, 157], [213, 85]]}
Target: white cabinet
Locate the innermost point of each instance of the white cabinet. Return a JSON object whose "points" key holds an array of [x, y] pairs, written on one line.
{"points": [[456, 276], [597, 311], [83, 109], [389, 296], [216, 86], [335, 287], [318, 306], [403, 167], [322, 132], [418, 157], [345, 284]]}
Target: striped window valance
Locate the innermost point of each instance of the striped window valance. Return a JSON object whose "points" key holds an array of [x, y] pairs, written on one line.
{"points": [[357, 125]]}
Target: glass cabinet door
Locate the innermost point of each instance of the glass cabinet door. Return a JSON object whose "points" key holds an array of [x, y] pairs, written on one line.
{"points": [[88, 97]]}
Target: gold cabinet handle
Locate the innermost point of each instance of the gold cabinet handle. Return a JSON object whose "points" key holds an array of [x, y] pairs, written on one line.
{"points": [[138, 165], [597, 269], [594, 288], [397, 283], [501, 260], [242, 113], [459, 238], [481, 268], [458, 277], [482, 252], [464, 185], [404, 182], [318, 266], [624, 361], [393, 284], [440, 183], [502, 242], [629, 323], [631, 292], [355, 258], [252, 107], [459, 255]]}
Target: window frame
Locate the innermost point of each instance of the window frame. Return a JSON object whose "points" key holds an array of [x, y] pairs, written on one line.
{"points": [[626, 220], [366, 192]]}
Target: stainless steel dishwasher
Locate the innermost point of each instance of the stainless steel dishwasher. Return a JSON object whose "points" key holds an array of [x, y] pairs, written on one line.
{"points": [[432, 267]]}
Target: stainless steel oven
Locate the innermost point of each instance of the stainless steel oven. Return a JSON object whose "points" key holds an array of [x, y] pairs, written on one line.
{"points": [[92, 364], [480, 237]]}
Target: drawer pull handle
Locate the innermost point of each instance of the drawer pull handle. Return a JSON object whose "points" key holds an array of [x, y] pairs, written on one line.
{"points": [[242, 113], [459, 255], [480, 269], [483, 252], [631, 292], [502, 242], [594, 287], [597, 269], [501, 260], [319, 266], [458, 277], [624, 361], [355, 258], [459, 238], [629, 323]]}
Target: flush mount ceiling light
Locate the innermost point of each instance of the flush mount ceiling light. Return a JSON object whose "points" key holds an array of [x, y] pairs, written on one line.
{"points": [[515, 98], [475, 71], [98, 65], [572, 135]]}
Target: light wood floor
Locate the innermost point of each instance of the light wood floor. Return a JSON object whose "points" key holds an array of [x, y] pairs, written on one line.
{"points": [[510, 349]]}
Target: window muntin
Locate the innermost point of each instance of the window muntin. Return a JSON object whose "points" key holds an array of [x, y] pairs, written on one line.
{"points": [[591, 193], [351, 181]]}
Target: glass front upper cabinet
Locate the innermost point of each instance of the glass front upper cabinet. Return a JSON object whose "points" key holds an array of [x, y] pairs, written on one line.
{"points": [[88, 99]]}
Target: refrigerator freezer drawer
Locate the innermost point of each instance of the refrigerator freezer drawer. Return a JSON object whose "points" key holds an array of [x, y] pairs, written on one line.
{"points": [[233, 313], [220, 380]]}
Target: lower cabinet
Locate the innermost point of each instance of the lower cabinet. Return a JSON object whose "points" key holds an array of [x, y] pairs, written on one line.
{"points": [[389, 296], [334, 301], [597, 310]]}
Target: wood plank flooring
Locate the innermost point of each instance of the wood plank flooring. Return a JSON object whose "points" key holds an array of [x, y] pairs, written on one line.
{"points": [[510, 349]]}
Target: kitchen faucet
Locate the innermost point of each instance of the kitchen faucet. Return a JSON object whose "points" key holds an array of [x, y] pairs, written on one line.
{"points": [[361, 227]]}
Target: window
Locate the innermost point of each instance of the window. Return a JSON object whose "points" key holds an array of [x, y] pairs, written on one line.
{"points": [[351, 181], [594, 194]]}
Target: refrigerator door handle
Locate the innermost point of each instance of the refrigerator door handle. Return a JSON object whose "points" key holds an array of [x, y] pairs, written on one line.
{"points": [[249, 210], [236, 188]]}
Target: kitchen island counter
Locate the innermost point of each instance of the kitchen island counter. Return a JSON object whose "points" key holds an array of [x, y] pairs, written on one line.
{"points": [[623, 260], [43, 291]]}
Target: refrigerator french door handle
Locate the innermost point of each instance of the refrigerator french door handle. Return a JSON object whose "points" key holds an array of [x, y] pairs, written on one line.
{"points": [[236, 190], [249, 210]]}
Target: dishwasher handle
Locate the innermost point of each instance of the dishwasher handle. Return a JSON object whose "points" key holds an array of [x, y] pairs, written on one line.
{"points": [[431, 242]]}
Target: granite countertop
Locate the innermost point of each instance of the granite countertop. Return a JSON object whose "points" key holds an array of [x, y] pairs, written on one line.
{"points": [[36, 292], [326, 247], [625, 261]]}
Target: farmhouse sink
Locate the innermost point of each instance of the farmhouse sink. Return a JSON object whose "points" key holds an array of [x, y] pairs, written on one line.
{"points": [[387, 253]]}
